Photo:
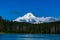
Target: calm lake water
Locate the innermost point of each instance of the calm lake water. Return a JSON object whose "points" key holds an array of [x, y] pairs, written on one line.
{"points": [[29, 36]]}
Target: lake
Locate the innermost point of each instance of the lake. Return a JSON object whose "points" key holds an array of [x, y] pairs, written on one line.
{"points": [[29, 36]]}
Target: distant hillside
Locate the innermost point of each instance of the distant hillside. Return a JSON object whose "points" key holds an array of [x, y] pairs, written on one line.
{"points": [[7, 26]]}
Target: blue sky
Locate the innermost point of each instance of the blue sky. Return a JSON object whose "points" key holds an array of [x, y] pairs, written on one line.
{"points": [[11, 9]]}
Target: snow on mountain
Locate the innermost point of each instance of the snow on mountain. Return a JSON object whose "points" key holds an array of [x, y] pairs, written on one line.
{"points": [[29, 17]]}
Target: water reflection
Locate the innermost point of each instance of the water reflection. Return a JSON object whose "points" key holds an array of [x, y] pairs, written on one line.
{"points": [[29, 37], [32, 39]]}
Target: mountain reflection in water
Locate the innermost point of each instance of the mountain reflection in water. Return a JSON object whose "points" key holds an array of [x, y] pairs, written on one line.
{"points": [[29, 37]]}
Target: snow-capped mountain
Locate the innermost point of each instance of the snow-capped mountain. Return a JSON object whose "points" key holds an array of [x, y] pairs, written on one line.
{"points": [[29, 17]]}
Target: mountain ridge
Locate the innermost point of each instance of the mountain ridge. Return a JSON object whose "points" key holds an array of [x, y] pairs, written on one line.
{"points": [[30, 18]]}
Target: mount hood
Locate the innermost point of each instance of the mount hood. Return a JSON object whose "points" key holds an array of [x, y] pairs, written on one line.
{"points": [[30, 18]]}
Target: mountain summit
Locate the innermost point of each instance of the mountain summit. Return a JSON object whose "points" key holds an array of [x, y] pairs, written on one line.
{"points": [[29, 15], [30, 18]]}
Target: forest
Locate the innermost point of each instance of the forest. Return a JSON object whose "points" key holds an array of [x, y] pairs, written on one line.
{"points": [[7, 26]]}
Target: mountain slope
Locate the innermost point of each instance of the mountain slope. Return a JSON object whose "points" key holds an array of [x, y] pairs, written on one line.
{"points": [[29, 17]]}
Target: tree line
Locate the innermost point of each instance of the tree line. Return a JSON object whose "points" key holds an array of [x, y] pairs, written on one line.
{"points": [[7, 26]]}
